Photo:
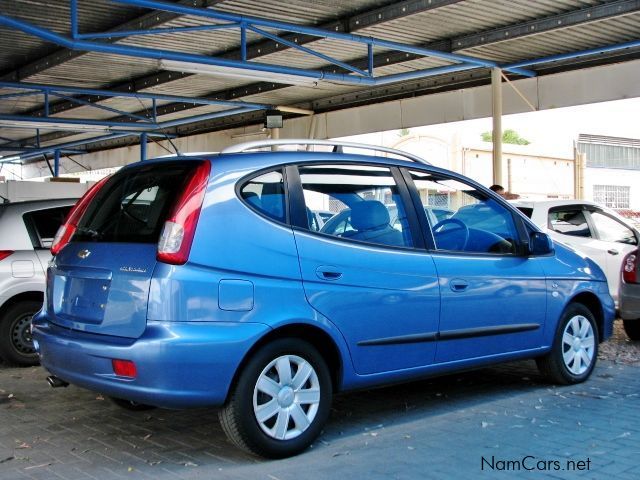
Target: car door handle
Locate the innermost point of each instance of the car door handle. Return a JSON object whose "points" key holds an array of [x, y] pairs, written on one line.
{"points": [[458, 285], [328, 273], [613, 252]]}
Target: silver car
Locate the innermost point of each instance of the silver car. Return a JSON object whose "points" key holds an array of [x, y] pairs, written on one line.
{"points": [[630, 295], [26, 232]]}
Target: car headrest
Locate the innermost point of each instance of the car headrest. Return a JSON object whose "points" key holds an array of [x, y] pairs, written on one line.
{"points": [[369, 215]]}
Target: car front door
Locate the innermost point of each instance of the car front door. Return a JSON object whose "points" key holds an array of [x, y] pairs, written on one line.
{"points": [[365, 273], [493, 300]]}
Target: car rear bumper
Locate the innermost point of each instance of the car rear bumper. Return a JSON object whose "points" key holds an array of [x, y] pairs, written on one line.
{"points": [[630, 301], [178, 364]]}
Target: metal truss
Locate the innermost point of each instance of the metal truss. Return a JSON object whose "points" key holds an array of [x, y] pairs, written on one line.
{"points": [[361, 71]]}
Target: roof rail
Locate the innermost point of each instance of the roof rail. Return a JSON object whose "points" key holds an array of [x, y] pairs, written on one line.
{"points": [[337, 145]]}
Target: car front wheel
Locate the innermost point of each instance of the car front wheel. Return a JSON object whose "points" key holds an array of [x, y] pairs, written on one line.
{"points": [[281, 400], [575, 347]]}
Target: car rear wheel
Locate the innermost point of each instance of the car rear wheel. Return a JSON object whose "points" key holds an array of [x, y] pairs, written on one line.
{"points": [[281, 400], [16, 345], [632, 329], [575, 348]]}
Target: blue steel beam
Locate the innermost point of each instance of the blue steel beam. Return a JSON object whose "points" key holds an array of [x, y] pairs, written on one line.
{"points": [[80, 101], [154, 31], [42, 89], [56, 162], [142, 52], [143, 147], [317, 32], [581, 53], [18, 94], [80, 122]]}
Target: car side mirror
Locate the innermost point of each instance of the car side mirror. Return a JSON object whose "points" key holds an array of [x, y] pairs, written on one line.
{"points": [[540, 244]]}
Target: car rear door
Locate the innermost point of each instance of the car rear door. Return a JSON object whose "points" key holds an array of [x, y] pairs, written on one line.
{"points": [[373, 281]]}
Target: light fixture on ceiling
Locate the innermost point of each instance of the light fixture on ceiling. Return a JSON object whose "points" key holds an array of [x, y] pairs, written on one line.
{"points": [[9, 159], [53, 126], [237, 73]]}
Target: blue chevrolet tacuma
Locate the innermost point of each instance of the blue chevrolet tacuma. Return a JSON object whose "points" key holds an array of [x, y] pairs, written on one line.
{"points": [[209, 281]]}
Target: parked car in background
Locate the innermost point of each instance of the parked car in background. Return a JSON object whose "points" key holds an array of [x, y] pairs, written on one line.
{"points": [[27, 230], [630, 295], [194, 282], [596, 231]]}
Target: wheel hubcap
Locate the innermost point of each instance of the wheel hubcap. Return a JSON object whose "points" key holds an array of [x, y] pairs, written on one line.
{"points": [[21, 335], [578, 345], [286, 397]]}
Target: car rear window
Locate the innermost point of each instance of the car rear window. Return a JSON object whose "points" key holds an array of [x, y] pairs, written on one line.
{"points": [[134, 204], [43, 224]]}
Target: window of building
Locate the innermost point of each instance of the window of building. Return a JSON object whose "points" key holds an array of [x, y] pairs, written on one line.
{"points": [[612, 196]]}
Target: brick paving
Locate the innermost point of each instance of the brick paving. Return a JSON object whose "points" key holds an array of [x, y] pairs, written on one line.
{"points": [[439, 428]]}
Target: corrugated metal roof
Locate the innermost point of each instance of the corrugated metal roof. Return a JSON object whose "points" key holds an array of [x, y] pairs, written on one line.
{"points": [[446, 22]]}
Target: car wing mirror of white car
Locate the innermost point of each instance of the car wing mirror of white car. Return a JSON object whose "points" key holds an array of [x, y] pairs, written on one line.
{"points": [[540, 244]]}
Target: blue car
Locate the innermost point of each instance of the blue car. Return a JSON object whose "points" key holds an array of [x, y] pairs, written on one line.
{"points": [[200, 281]]}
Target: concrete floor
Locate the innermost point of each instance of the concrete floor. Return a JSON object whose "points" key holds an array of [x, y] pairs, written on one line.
{"points": [[462, 426]]}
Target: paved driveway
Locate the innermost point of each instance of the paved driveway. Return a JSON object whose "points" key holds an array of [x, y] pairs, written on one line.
{"points": [[496, 422]]}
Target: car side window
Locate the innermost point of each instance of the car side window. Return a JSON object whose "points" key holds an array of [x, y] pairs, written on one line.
{"points": [[265, 193], [45, 224], [474, 223], [364, 200], [569, 222], [611, 230]]}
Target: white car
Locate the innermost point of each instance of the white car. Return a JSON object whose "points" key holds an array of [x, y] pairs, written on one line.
{"points": [[597, 232]]}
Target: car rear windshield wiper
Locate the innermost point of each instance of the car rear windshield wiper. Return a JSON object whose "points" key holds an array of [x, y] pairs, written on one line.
{"points": [[94, 234]]}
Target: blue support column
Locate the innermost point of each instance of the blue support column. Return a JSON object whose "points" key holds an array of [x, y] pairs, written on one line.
{"points": [[56, 162], [143, 147]]}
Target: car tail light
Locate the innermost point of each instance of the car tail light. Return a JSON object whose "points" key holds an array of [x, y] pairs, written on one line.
{"points": [[175, 241], [124, 368], [630, 268], [5, 253], [68, 228]]}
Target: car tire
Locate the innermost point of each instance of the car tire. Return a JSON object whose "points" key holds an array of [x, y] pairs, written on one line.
{"points": [[16, 346], [632, 329], [575, 347], [131, 405], [281, 400]]}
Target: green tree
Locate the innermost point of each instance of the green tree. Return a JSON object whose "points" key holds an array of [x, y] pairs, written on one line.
{"points": [[508, 136], [403, 132]]}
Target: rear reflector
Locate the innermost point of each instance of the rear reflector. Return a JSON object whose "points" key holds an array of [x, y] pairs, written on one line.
{"points": [[68, 228], [175, 241], [124, 368], [5, 253], [630, 268]]}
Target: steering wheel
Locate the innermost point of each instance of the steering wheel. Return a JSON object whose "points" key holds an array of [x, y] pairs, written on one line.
{"points": [[459, 225]]}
